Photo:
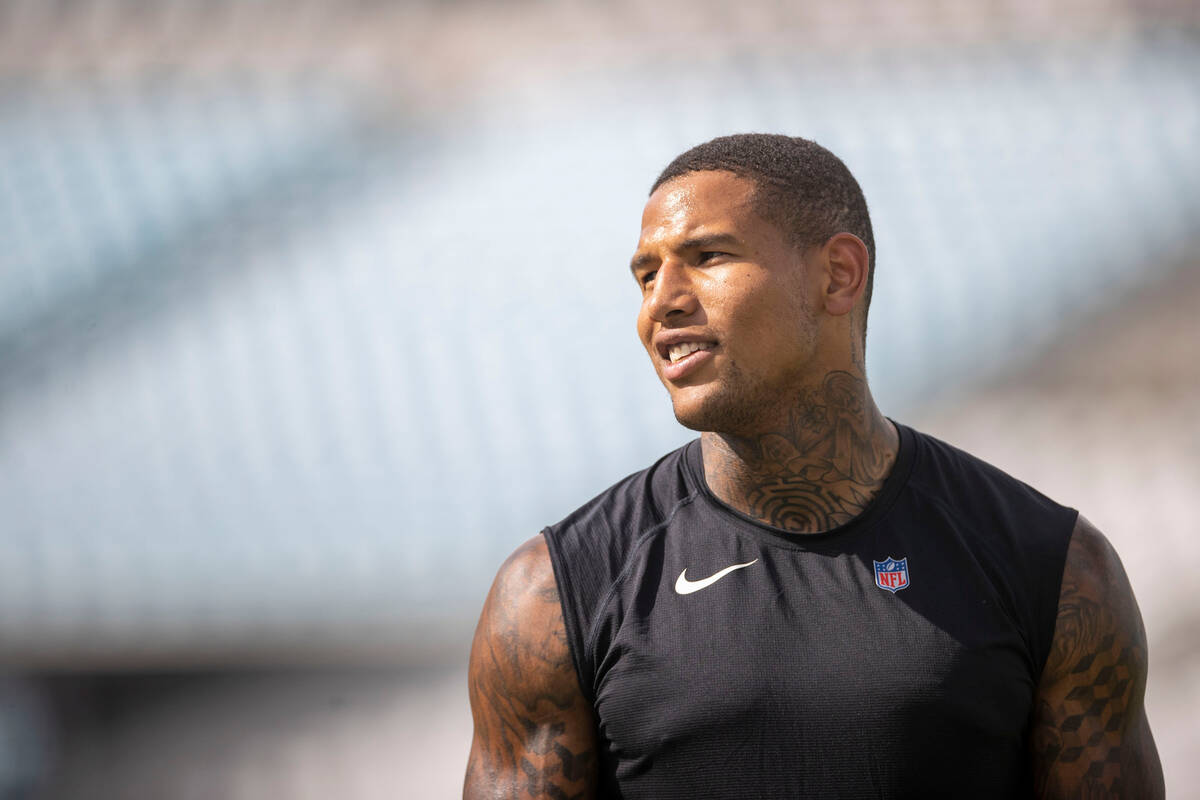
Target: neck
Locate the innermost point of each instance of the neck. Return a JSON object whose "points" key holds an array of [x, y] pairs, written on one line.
{"points": [[819, 469]]}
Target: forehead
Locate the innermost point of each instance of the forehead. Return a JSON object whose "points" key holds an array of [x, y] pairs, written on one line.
{"points": [[696, 201]]}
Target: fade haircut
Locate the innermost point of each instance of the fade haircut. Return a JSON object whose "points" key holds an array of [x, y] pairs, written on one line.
{"points": [[800, 187]]}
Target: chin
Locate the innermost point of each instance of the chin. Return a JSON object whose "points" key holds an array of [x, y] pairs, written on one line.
{"points": [[735, 402], [688, 418], [715, 411]]}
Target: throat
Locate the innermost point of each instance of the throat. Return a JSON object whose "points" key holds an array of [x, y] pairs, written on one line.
{"points": [[818, 469]]}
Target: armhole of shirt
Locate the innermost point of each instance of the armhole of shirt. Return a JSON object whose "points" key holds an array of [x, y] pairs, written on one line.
{"points": [[1050, 623], [582, 628], [1044, 616], [571, 616]]}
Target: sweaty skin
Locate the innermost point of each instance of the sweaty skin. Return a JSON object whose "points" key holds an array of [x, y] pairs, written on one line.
{"points": [[792, 437], [790, 433]]}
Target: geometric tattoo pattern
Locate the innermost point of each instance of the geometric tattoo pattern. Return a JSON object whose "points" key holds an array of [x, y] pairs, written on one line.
{"points": [[1090, 737]]}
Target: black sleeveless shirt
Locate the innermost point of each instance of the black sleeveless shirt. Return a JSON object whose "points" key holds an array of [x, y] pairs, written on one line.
{"points": [[895, 656]]}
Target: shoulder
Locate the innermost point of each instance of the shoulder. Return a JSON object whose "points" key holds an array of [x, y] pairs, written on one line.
{"points": [[1018, 536], [1096, 604], [972, 484], [534, 729], [640, 499], [522, 613], [1091, 559], [1003, 514], [597, 537], [1090, 734], [520, 669], [590, 549]]}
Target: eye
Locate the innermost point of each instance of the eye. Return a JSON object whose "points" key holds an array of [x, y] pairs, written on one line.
{"points": [[709, 255], [646, 278]]}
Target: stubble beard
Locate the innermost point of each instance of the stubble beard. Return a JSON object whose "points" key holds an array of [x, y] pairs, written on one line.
{"points": [[742, 404], [739, 405]]}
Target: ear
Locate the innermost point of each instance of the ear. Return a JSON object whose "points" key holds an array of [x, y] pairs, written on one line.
{"points": [[847, 265]]}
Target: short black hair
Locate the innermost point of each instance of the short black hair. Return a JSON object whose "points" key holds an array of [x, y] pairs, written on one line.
{"points": [[799, 186]]}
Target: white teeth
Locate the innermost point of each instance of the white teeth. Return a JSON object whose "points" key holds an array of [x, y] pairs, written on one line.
{"points": [[678, 351]]}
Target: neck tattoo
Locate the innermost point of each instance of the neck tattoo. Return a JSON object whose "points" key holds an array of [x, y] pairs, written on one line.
{"points": [[818, 472]]}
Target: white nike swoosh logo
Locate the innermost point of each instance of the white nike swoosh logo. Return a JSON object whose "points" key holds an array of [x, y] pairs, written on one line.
{"points": [[684, 586]]}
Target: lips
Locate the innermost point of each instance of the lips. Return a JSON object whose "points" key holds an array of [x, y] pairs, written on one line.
{"points": [[685, 358], [682, 350]]}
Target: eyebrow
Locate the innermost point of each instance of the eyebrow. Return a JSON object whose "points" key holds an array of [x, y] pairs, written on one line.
{"points": [[694, 243]]}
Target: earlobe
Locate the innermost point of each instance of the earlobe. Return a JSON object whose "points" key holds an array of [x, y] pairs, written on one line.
{"points": [[847, 264]]}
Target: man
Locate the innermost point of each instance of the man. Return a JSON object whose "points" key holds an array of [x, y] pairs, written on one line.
{"points": [[811, 600]]}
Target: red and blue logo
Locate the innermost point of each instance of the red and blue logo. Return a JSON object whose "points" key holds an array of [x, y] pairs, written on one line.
{"points": [[891, 574]]}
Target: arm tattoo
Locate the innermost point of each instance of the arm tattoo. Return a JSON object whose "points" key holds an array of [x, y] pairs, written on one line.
{"points": [[819, 471], [534, 731], [1090, 737]]}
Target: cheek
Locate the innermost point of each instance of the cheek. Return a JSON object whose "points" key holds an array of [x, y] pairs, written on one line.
{"points": [[768, 324]]}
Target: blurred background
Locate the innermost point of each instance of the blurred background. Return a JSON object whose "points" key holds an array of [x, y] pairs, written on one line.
{"points": [[311, 311]]}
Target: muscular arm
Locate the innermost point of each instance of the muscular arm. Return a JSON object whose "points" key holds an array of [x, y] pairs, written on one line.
{"points": [[534, 730], [1090, 736]]}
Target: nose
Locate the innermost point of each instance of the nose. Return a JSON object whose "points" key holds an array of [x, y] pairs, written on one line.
{"points": [[673, 295]]}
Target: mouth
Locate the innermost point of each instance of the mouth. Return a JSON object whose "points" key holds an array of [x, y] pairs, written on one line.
{"points": [[682, 358], [678, 352]]}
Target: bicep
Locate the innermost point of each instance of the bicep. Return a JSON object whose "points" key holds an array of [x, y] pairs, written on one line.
{"points": [[1090, 734], [534, 730]]}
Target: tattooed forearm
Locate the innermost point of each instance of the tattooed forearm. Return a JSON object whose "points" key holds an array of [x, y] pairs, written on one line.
{"points": [[534, 731], [1090, 737], [818, 472]]}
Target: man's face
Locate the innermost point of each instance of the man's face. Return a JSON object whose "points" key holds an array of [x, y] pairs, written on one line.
{"points": [[726, 314]]}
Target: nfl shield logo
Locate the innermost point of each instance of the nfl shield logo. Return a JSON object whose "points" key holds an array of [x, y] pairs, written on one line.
{"points": [[891, 574]]}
